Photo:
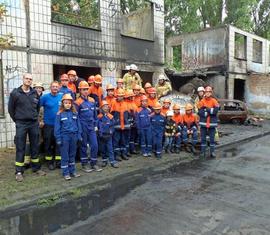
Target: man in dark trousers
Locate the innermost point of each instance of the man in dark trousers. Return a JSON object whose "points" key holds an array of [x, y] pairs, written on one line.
{"points": [[23, 108]]}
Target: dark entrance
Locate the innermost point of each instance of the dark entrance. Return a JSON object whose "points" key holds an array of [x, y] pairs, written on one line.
{"points": [[82, 72], [146, 76], [239, 89]]}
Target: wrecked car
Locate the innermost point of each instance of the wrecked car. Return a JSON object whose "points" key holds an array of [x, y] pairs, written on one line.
{"points": [[233, 111]]}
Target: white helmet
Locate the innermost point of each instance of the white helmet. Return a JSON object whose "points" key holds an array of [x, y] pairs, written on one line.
{"points": [[161, 77], [169, 113], [201, 88], [133, 67]]}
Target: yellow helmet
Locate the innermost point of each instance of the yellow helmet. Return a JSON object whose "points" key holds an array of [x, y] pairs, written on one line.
{"points": [[188, 107], [83, 85], [176, 107], [67, 97]]}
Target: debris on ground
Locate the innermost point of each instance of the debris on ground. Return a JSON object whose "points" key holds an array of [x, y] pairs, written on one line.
{"points": [[254, 121]]}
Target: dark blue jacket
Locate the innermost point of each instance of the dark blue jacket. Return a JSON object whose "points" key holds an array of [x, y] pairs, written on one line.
{"points": [[105, 125], [23, 106], [65, 90], [67, 122], [143, 118], [86, 109], [158, 122]]}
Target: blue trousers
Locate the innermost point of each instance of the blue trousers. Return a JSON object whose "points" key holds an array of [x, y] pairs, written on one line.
{"points": [[146, 140], [106, 147], [89, 137], [68, 150], [211, 132], [120, 140], [134, 140], [194, 135], [157, 142], [168, 142]]}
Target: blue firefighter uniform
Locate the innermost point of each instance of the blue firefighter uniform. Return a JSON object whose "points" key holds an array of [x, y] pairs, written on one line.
{"points": [[158, 122], [86, 108], [144, 130], [105, 131], [67, 132], [65, 90]]}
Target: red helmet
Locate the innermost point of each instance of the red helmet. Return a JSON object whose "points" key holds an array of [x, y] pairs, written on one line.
{"points": [[91, 79]]}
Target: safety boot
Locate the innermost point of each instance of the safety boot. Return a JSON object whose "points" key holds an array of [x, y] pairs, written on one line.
{"points": [[202, 155], [213, 155]]}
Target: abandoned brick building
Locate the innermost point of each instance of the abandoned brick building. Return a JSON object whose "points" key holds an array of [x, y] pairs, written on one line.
{"points": [[52, 37], [236, 63]]}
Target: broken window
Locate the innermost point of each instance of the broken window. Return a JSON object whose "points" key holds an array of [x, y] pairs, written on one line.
{"points": [[84, 13], [177, 57], [257, 51], [240, 42], [137, 19]]}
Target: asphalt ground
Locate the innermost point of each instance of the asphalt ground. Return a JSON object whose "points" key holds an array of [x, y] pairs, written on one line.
{"points": [[228, 195]]}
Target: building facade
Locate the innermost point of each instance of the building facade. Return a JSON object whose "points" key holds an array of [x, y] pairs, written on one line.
{"points": [[52, 37], [236, 63]]}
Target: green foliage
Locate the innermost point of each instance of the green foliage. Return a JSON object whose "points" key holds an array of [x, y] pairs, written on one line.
{"points": [[185, 16], [83, 13], [128, 6], [6, 41]]}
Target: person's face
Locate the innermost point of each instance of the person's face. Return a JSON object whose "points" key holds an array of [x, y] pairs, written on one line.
{"points": [[166, 105], [97, 84], [120, 85], [208, 94], [169, 118], [161, 81], [136, 92], [84, 92], [120, 98], [144, 103], [176, 111], [189, 111], [132, 72], [67, 104], [54, 88], [39, 90], [157, 111], [110, 93], [131, 98], [201, 93], [71, 77], [64, 81], [105, 108], [152, 95], [27, 80]]}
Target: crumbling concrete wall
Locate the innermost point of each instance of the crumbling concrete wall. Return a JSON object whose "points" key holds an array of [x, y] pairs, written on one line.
{"points": [[139, 24], [258, 93], [200, 50], [44, 43], [218, 82]]}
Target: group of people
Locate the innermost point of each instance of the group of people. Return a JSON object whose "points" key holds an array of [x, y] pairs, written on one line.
{"points": [[76, 114]]}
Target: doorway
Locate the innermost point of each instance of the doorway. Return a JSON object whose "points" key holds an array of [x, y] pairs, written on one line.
{"points": [[82, 72], [239, 89]]}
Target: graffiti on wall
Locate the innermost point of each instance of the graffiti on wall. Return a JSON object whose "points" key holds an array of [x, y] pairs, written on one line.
{"points": [[13, 79], [84, 46]]}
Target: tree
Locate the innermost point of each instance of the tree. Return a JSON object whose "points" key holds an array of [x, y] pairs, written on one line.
{"points": [[6, 41]]}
